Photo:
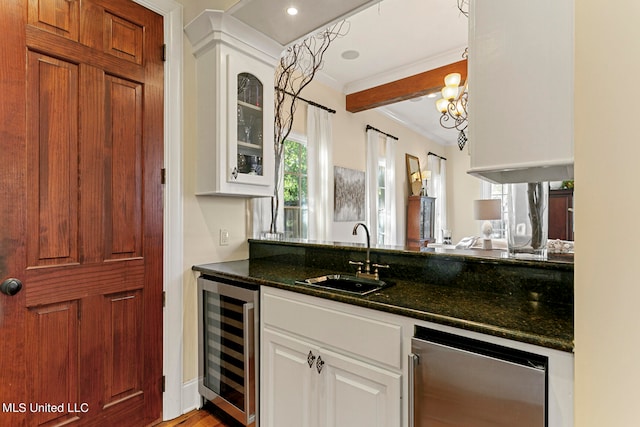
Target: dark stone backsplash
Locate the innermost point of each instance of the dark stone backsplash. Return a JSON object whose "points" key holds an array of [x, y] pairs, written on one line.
{"points": [[542, 281]]}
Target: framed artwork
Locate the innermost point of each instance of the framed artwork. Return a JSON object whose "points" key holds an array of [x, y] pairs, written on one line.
{"points": [[349, 194]]}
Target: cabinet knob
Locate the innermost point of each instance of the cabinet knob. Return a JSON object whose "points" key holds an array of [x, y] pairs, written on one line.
{"points": [[319, 364], [310, 359]]}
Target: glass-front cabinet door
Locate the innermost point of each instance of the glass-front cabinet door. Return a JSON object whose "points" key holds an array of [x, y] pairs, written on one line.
{"points": [[249, 136], [250, 126]]}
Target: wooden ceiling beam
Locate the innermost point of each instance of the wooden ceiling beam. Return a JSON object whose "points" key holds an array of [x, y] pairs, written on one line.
{"points": [[403, 89]]}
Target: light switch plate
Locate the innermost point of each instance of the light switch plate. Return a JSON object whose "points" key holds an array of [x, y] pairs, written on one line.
{"points": [[224, 237]]}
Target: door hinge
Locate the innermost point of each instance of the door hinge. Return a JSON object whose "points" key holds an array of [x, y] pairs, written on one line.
{"points": [[164, 53], [163, 176], [164, 299], [164, 380]]}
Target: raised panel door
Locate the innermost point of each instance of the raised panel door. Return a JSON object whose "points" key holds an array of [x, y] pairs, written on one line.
{"points": [[81, 213], [289, 387], [357, 394]]}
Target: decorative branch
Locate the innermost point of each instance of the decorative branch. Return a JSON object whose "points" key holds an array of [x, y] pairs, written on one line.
{"points": [[463, 7], [297, 68], [534, 194]]}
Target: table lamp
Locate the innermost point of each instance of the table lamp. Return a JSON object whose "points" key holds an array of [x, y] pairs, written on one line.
{"points": [[487, 210]]}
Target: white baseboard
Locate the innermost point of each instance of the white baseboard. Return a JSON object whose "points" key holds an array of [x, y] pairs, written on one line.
{"points": [[190, 397]]}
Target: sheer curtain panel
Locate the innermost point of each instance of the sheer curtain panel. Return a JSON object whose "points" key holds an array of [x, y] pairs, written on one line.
{"points": [[371, 186], [437, 187], [391, 223], [319, 173]]}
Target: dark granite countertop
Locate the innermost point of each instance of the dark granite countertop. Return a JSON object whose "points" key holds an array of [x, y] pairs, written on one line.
{"points": [[519, 316]]}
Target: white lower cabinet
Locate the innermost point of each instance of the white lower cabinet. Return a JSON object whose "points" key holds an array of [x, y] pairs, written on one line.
{"points": [[357, 394], [308, 382], [363, 353]]}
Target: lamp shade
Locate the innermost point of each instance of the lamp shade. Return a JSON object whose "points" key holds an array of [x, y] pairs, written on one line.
{"points": [[487, 209], [449, 92], [442, 105], [452, 79]]}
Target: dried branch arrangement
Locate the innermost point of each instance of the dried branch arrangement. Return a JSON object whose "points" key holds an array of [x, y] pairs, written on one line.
{"points": [[536, 210], [463, 7], [297, 68]]}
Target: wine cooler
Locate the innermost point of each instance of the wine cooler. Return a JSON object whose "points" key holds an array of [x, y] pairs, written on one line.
{"points": [[228, 347]]}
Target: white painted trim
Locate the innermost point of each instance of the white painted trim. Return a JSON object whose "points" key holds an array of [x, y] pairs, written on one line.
{"points": [[172, 403], [420, 131], [212, 27], [191, 398]]}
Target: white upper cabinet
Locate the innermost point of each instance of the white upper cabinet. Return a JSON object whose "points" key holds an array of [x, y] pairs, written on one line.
{"points": [[521, 90], [235, 69]]}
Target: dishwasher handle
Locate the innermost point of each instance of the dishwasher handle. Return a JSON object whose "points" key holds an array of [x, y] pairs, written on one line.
{"points": [[414, 359]]}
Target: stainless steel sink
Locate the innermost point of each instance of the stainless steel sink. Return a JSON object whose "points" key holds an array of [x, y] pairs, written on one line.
{"points": [[346, 283]]}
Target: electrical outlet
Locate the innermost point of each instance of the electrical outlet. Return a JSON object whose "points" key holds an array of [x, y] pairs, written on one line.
{"points": [[224, 237]]}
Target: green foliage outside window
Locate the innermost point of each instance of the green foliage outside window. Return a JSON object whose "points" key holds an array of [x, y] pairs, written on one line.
{"points": [[295, 189]]}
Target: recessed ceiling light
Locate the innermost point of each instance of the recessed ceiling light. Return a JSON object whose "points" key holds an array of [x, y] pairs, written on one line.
{"points": [[292, 11], [350, 54]]}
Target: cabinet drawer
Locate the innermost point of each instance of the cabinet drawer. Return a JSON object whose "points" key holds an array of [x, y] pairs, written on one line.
{"points": [[362, 336]]}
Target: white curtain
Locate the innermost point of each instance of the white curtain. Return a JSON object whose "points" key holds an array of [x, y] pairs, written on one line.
{"points": [[260, 214], [391, 223], [374, 158], [437, 187], [372, 151], [319, 173]]}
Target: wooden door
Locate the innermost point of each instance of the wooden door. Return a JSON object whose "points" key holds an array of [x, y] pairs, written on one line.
{"points": [[81, 138]]}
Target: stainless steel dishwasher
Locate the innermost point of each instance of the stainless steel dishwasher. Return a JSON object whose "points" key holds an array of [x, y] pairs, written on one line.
{"points": [[462, 382]]}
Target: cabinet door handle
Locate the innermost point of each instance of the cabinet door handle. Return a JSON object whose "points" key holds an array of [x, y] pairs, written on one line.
{"points": [[319, 364], [234, 173], [310, 359]]}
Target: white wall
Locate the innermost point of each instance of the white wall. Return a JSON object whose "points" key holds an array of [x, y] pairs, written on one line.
{"points": [[607, 280], [462, 190], [203, 218]]}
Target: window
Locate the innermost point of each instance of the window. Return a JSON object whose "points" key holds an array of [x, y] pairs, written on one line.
{"points": [[381, 200], [296, 211]]}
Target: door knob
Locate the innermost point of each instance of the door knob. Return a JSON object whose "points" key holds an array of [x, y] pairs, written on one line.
{"points": [[11, 286]]}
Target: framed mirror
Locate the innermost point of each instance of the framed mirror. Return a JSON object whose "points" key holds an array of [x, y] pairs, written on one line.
{"points": [[413, 175]]}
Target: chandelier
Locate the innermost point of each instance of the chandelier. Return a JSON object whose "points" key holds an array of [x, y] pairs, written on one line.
{"points": [[453, 105]]}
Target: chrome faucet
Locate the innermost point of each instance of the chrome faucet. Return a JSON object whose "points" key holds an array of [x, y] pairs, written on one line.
{"points": [[367, 263]]}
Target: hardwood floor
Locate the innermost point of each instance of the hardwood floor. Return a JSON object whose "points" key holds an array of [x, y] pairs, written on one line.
{"points": [[205, 417]]}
